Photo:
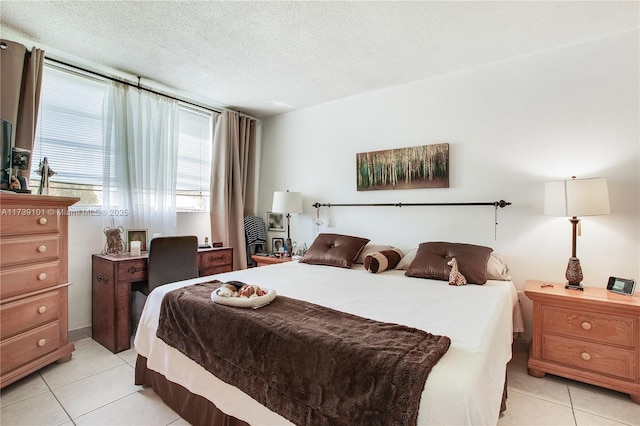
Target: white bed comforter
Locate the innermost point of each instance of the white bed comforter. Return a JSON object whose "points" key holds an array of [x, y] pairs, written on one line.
{"points": [[465, 386]]}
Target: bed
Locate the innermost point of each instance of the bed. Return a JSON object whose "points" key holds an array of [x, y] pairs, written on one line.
{"points": [[466, 386]]}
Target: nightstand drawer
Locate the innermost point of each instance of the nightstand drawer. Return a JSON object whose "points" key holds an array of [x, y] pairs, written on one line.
{"points": [[590, 356], [28, 313], [610, 329], [31, 345]]}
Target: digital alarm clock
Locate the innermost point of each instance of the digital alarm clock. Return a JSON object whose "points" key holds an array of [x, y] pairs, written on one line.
{"points": [[621, 286]]}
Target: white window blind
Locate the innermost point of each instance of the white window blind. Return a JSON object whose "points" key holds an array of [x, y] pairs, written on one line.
{"points": [[194, 159], [69, 134]]}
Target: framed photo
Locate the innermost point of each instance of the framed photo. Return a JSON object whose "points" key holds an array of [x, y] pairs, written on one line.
{"points": [[137, 235], [277, 245], [275, 221]]}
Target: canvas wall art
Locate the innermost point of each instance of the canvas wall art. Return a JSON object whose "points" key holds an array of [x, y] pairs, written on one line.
{"points": [[425, 166]]}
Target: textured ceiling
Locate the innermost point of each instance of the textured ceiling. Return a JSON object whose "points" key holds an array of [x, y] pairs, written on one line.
{"points": [[266, 58]]}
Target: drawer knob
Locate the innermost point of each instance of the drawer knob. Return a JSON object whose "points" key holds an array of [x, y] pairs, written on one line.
{"points": [[42, 221], [42, 276], [103, 278], [586, 325], [42, 342], [42, 248], [133, 270], [585, 356], [42, 309]]}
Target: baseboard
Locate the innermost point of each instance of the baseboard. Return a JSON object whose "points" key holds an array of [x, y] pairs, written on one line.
{"points": [[79, 334]]}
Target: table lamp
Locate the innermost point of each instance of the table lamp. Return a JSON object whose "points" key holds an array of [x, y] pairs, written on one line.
{"points": [[573, 198], [287, 202]]}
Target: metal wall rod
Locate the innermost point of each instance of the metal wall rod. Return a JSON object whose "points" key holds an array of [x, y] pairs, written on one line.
{"points": [[496, 204]]}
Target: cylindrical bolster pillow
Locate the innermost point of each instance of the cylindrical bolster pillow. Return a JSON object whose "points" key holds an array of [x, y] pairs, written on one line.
{"points": [[382, 260]]}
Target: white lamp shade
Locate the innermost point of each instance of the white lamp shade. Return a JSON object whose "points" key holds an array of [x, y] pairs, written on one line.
{"points": [[576, 197], [287, 202]]}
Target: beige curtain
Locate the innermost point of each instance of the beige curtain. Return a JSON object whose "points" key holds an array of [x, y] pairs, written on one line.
{"points": [[233, 181], [21, 82], [29, 101], [12, 62]]}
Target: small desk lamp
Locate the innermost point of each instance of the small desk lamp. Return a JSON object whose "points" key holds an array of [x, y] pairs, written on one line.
{"points": [[287, 202], [573, 198]]}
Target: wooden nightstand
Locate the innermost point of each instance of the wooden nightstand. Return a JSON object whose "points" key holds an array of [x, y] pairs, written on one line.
{"points": [[592, 336], [267, 260]]}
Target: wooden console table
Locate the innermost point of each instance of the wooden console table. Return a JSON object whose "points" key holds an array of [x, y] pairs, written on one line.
{"points": [[112, 277]]}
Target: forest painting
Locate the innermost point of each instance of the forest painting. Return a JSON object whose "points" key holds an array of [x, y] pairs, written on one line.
{"points": [[424, 166]]}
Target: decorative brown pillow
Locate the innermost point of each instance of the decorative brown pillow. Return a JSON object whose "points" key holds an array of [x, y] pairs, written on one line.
{"points": [[382, 260], [334, 250], [431, 261]]}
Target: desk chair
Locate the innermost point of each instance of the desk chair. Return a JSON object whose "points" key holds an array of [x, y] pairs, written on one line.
{"points": [[170, 259]]}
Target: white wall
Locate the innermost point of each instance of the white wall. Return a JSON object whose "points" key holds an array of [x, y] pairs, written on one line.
{"points": [[511, 126]]}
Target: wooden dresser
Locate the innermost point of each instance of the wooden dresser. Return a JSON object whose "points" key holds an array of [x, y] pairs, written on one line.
{"points": [[592, 336], [112, 278], [33, 283]]}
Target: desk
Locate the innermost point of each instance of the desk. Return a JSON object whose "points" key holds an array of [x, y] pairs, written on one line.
{"points": [[112, 277]]}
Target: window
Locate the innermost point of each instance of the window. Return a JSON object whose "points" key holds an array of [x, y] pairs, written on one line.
{"points": [[194, 159], [70, 135]]}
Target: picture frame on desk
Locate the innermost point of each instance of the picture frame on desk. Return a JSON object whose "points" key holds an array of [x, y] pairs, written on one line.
{"points": [[277, 245], [137, 235]]}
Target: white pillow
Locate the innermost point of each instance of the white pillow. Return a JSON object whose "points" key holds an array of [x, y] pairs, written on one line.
{"points": [[407, 259], [497, 268]]}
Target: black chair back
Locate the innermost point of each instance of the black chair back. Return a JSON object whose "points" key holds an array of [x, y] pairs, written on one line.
{"points": [[172, 259]]}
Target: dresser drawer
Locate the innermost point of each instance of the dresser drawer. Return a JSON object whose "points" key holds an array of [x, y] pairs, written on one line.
{"points": [[215, 261], [34, 249], [590, 356], [610, 329], [133, 270], [29, 313], [33, 220], [17, 281], [26, 347]]}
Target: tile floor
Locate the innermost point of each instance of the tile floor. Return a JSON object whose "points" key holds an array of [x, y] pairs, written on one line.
{"points": [[96, 388], [554, 400]]}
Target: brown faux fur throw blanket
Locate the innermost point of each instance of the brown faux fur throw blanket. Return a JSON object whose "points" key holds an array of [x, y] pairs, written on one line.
{"points": [[310, 364]]}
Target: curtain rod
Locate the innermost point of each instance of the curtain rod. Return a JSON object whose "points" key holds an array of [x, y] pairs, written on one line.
{"points": [[138, 86], [496, 204]]}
